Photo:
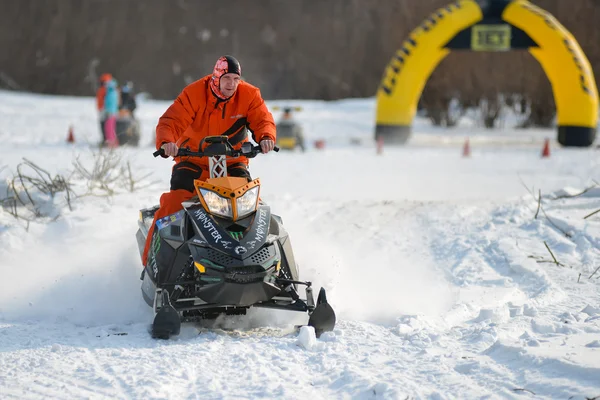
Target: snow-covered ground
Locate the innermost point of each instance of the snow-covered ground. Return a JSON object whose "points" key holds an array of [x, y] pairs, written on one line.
{"points": [[438, 270]]}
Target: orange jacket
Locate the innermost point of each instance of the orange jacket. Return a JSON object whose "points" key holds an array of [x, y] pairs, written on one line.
{"points": [[100, 94], [196, 113]]}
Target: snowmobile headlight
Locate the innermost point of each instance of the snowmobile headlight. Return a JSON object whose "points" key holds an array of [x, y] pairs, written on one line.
{"points": [[246, 203], [216, 204]]}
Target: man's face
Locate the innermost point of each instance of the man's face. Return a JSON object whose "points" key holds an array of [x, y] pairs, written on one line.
{"points": [[229, 84]]}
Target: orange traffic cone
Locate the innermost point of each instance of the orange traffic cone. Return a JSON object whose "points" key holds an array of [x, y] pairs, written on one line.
{"points": [[379, 145], [466, 149], [319, 144], [546, 149], [71, 136]]}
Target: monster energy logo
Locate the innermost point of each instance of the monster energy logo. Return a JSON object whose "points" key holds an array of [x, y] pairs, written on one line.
{"points": [[237, 235], [155, 243], [154, 248], [262, 224]]}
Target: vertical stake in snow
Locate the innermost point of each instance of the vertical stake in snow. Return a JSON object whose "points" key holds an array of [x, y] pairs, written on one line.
{"points": [[379, 145], [466, 149], [546, 149]]}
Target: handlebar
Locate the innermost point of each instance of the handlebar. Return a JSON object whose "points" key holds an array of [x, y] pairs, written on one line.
{"points": [[229, 152]]}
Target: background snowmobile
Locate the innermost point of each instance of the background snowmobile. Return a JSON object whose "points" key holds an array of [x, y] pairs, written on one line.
{"points": [[128, 127], [128, 130], [289, 131], [223, 253]]}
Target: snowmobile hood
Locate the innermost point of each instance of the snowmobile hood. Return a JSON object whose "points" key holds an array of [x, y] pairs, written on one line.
{"points": [[217, 237], [228, 186]]}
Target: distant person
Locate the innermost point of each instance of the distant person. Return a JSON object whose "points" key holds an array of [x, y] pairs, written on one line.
{"points": [[111, 110], [287, 113], [100, 95], [128, 104]]}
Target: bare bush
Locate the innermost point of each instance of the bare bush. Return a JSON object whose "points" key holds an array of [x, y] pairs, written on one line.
{"points": [[102, 176], [32, 191], [520, 106], [108, 174], [542, 113], [491, 108], [443, 110], [33, 194]]}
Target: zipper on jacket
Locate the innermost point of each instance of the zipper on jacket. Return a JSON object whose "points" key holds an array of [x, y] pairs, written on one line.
{"points": [[223, 113]]}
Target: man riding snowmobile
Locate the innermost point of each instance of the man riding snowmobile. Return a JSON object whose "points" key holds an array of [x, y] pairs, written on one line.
{"points": [[212, 247], [218, 104]]}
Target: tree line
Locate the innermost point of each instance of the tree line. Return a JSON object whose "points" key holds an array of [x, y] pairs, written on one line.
{"points": [[308, 49]]}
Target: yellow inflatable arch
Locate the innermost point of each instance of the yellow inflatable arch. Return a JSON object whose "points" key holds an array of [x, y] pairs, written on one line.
{"points": [[490, 25]]}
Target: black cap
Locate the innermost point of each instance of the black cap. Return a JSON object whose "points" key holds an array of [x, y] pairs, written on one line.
{"points": [[233, 65]]}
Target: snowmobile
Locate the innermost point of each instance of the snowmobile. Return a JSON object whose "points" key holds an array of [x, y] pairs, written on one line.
{"points": [[289, 131], [223, 253], [290, 136], [128, 130]]}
